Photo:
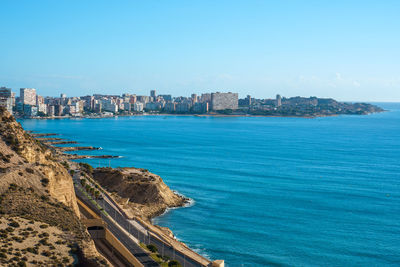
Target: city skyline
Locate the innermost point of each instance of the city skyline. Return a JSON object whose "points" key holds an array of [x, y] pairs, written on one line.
{"points": [[344, 50]]}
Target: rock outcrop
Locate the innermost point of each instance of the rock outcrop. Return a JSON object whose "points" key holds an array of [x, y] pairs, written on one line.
{"points": [[145, 193], [28, 163], [36, 186]]}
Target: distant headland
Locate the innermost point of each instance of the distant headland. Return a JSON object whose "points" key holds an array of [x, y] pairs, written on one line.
{"points": [[31, 105]]}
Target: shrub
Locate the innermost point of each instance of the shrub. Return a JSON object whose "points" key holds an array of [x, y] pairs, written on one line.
{"points": [[65, 164], [46, 253], [10, 229], [152, 248], [43, 226], [29, 170], [12, 186], [32, 250], [87, 167], [174, 263], [14, 224], [45, 181]]}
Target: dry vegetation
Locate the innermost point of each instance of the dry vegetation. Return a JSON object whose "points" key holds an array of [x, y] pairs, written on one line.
{"points": [[31, 243], [36, 189]]}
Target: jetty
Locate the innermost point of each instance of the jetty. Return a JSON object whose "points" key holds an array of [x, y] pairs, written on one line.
{"points": [[43, 134], [76, 156], [45, 139], [52, 141], [77, 148], [61, 142]]}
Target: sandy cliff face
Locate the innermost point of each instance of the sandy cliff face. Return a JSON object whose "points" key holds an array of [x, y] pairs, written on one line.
{"points": [[148, 195], [26, 162], [35, 186]]}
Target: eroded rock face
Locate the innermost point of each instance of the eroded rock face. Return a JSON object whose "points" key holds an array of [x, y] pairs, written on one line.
{"points": [[148, 195], [35, 186], [26, 162]]}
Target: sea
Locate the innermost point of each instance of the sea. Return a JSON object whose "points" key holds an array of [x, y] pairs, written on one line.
{"points": [[265, 191]]}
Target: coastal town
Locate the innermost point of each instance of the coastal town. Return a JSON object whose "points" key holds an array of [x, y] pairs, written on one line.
{"points": [[29, 104]]}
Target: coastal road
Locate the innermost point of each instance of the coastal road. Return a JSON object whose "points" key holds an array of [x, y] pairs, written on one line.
{"points": [[147, 237], [121, 235], [134, 229]]}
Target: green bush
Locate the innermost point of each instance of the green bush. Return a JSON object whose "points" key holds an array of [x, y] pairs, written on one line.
{"points": [[152, 248], [174, 263], [46, 253], [45, 181], [87, 167], [65, 164], [10, 229], [14, 224]]}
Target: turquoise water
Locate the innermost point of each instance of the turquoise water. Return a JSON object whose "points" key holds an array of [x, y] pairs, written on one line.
{"points": [[267, 191]]}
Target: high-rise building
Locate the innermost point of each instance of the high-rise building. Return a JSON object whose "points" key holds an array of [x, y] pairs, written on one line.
{"points": [[166, 97], [51, 110], [6, 103], [30, 111], [5, 92], [63, 96], [194, 98], [132, 99], [248, 100], [138, 107], [205, 98], [28, 96], [278, 100], [6, 98], [153, 94], [221, 101], [39, 100], [143, 98], [200, 107], [183, 107], [170, 107]]}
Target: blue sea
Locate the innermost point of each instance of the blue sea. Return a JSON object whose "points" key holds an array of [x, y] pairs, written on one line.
{"points": [[266, 191]]}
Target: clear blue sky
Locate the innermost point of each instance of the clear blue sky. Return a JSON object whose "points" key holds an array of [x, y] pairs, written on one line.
{"points": [[349, 50]]}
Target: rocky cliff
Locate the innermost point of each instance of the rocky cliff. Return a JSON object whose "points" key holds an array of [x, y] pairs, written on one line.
{"points": [[27, 163], [145, 193], [35, 188]]}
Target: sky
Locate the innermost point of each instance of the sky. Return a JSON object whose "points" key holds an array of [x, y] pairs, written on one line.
{"points": [[347, 50]]}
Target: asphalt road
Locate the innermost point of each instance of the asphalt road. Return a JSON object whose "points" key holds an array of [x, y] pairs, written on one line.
{"points": [[135, 230], [124, 238]]}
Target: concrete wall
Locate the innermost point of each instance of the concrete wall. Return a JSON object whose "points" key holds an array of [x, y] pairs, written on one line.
{"points": [[117, 245]]}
